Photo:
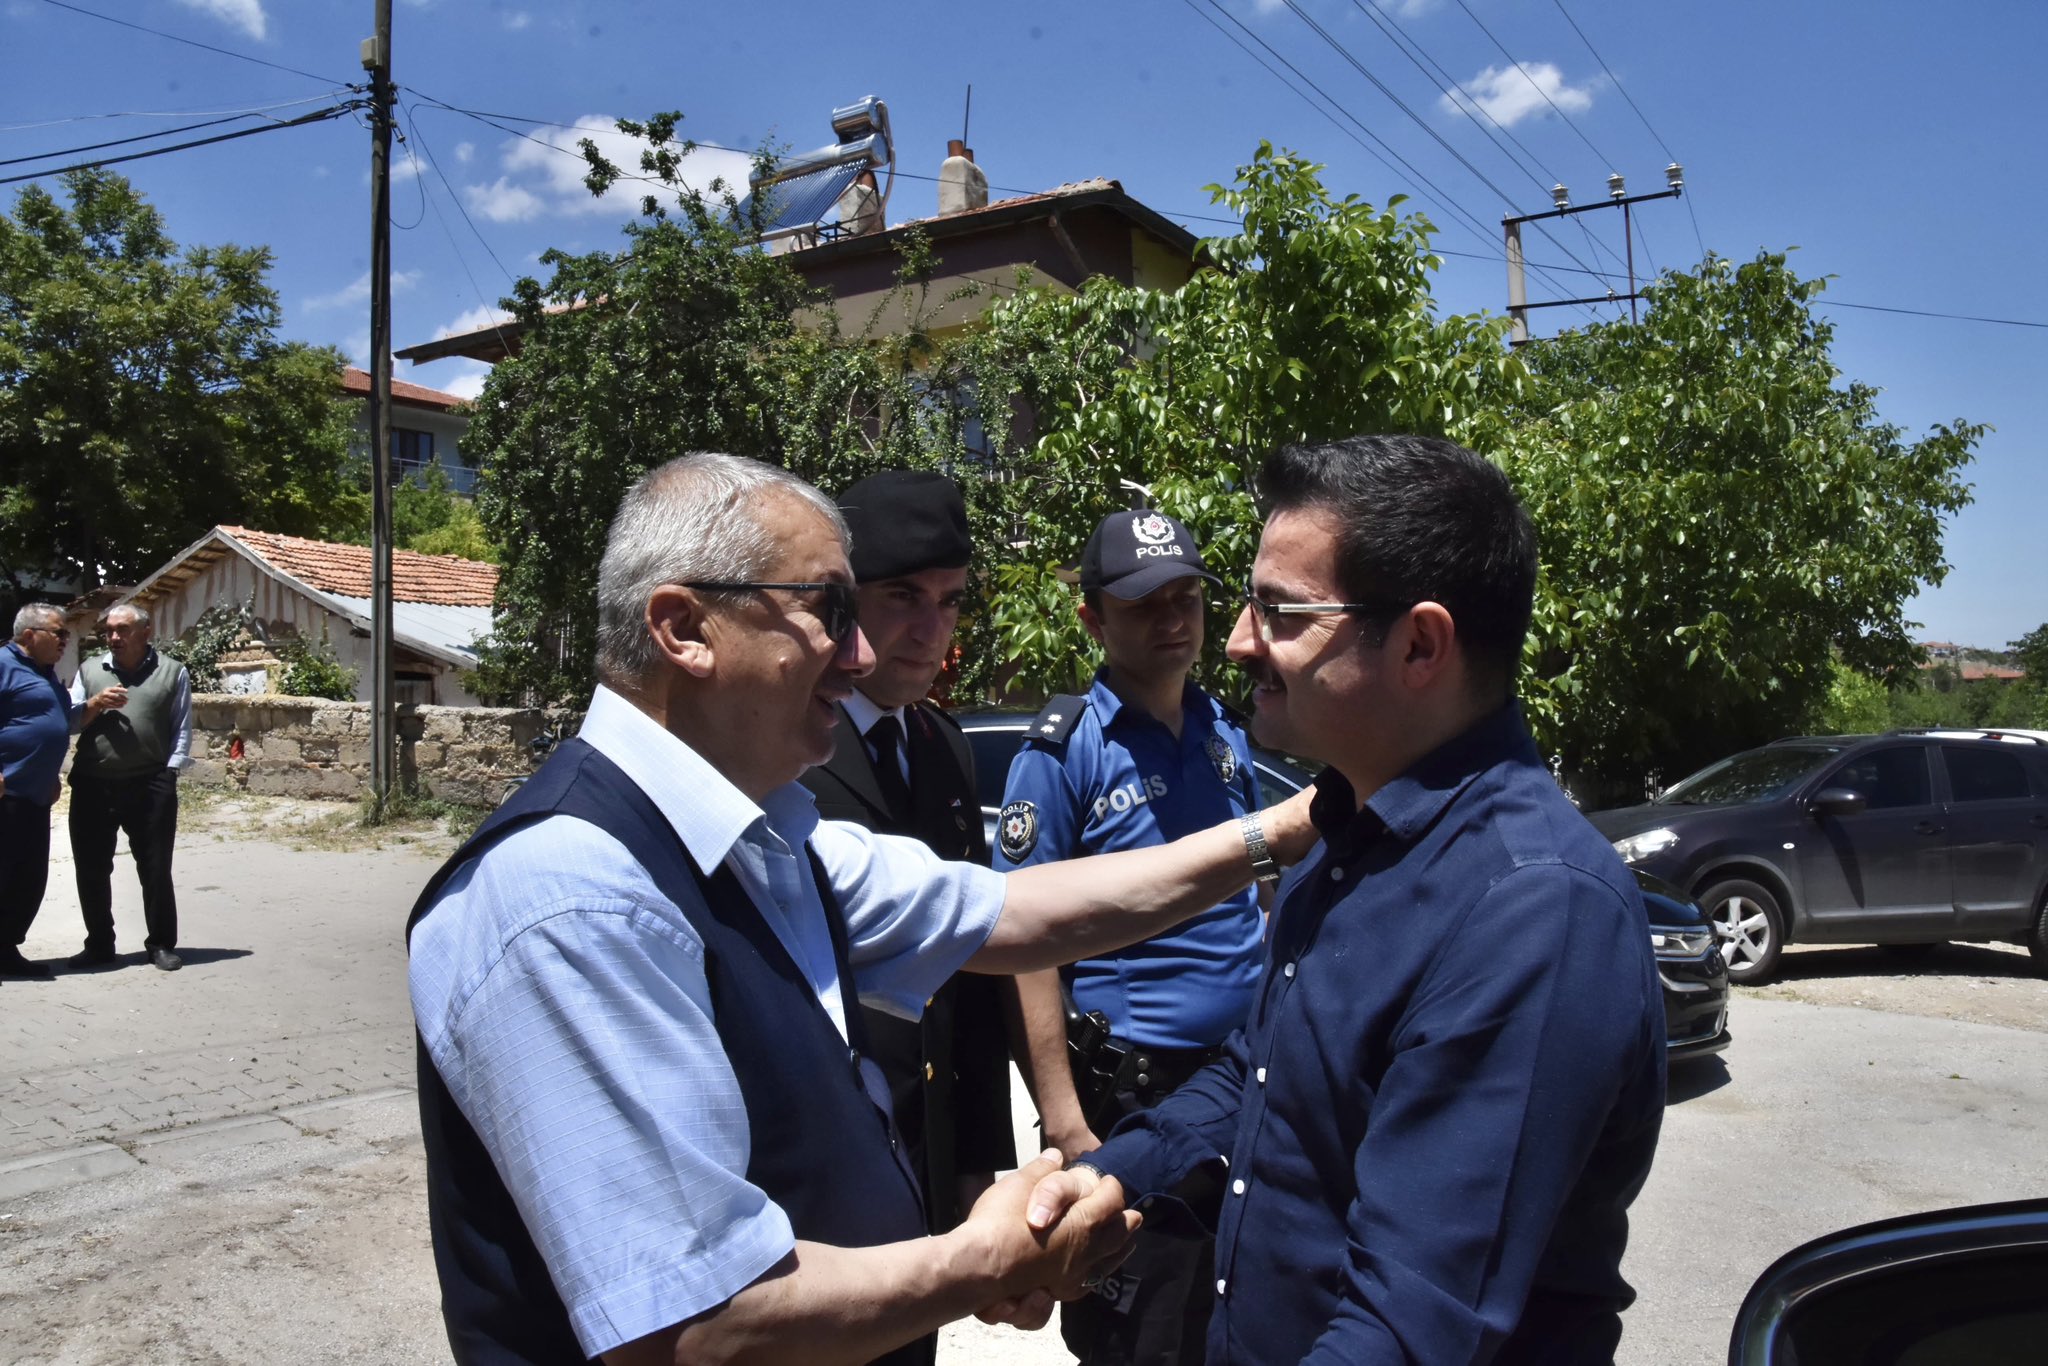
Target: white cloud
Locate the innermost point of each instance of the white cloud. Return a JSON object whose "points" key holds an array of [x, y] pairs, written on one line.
{"points": [[1512, 93], [475, 320], [503, 202], [517, 20], [464, 151], [467, 383], [405, 168], [357, 349], [246, 15], [544, 173], [358, 291]]}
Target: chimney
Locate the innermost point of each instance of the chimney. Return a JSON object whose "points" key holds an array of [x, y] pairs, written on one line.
{"points": [[860, 206], [962, 185]]}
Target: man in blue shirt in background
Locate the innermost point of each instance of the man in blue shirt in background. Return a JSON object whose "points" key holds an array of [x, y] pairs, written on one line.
{"points": [[35, 726], [1142, 759], [1450, 1086]]}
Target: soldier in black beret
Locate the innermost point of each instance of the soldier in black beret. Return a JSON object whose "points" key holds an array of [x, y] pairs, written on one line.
{"points": [[902, 767]]}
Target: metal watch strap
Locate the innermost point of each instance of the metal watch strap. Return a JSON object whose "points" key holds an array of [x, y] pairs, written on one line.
{"points": [[1263, 867]]}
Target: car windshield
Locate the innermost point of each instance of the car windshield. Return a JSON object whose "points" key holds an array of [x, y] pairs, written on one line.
{"points": [[1757, 775]]}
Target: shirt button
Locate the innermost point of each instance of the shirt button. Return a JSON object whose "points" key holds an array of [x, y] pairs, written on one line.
{"points": [[1262, 1076], [1288, 970], [1336, 875], [927, 1071], [1237, 1186], [1220, 1286]]}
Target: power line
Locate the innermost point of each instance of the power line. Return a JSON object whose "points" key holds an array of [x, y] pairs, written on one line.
{"points": [[122, 142], [176, 113], [191, 42], [456, 199], [316, 116], [1925, 313], [1447, 83], [1697, 238], [1523, 73]]}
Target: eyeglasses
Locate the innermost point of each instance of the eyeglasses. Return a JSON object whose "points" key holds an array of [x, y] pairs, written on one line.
{"points": [[1269, 613], [58, 632], [839, 610]]}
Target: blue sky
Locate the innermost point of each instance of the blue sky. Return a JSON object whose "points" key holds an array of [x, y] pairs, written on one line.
{"points": [[1891, 143]]}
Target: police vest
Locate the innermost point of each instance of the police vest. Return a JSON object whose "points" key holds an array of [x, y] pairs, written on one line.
{"points": [[819, 1146]]}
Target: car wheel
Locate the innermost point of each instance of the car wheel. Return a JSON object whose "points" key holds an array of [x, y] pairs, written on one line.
{"points": [[1750, 926]]}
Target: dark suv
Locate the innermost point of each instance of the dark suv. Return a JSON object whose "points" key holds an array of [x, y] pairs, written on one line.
{"points": [[1915, 837]]}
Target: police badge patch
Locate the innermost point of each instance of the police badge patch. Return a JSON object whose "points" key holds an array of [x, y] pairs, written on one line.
{"points": [[1222, 756], [1017, 830]]}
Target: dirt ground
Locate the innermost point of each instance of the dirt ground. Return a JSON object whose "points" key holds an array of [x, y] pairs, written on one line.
{"points": [[1995, 984]]}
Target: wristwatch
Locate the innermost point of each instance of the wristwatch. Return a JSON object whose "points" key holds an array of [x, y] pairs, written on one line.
{"points": [[1263, 867]]}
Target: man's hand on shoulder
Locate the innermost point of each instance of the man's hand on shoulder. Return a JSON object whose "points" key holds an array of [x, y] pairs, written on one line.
{"points": [[1290, 834]]}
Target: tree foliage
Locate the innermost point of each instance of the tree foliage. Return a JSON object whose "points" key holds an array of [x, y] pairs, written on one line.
{"points": [[2030, 652], [144, 395], [1720, 518], [1315, 321]]}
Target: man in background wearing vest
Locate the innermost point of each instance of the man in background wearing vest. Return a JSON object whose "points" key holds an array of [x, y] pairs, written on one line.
{"points": [[901, 766], [653, 1131], [1145, 757], [125, 779]]}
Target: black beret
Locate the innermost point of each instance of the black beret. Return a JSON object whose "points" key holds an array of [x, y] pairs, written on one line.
{"points": [[904, 521]]}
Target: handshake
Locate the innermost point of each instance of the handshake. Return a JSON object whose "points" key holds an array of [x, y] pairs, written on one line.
{"points": [[1042, 1234]]}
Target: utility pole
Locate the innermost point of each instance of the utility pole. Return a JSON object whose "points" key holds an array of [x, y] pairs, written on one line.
{"points": [[383, 737], [1618, 197]]}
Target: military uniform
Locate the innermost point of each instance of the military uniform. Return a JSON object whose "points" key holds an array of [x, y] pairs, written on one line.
{"points": [[949, 1074]]}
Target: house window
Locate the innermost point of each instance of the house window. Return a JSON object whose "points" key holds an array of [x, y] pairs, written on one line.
{"points": [[412, 689]]}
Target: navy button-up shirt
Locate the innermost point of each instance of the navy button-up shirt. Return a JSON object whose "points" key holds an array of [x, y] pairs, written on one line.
{"points": [[1449, 1089], [35, 726]]}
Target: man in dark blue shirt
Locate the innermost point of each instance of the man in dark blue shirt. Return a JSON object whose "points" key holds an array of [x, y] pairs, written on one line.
{"points": [[35, 727], [1450, 1087], [1144, 758]]}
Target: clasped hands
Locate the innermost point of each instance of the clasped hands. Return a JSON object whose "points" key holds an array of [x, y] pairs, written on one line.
{"points": [[1048, 1235]]}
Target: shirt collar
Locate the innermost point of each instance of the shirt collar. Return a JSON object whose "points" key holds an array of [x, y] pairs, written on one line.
{"points": [[29, 663], [863, 712], [1411, 803], [1108, 705], [706, 811]]}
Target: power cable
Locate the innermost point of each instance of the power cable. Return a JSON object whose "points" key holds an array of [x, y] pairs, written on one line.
{"points": [[456, 199], [191, 42], [335, 93], [122, 142], [1697, 238], [317, 116], [1523, 73], [1419, 121], [1924, 313]]}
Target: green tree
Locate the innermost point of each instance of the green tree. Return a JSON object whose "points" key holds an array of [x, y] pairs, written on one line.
{"points": [[2030, 652], [685, 340], [1721, 517], [144, 395], [1314, 321], [428, 516]]}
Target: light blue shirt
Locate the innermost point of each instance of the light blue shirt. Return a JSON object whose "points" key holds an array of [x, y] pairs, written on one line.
{"points": [[563, 1000]]}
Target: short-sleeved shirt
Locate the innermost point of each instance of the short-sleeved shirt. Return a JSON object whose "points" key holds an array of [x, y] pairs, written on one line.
{"points": [[563, 1000], [35, 726], [1121, 780]]}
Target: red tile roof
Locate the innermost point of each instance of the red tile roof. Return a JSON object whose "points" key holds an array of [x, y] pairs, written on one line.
{"points": [[356, 381], [345, 569]]}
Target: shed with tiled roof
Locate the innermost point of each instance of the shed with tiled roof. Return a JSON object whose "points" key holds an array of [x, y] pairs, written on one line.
{"points": [[441, 604]]}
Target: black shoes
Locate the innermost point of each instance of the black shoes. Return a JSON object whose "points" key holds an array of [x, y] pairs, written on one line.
{"points": [[165, 960], [12, 964], [92, 958]]}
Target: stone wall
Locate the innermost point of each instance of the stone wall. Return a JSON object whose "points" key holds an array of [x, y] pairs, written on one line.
{"points": [[310, 747]]}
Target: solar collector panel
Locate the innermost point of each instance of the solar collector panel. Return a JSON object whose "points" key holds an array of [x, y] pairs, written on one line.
{"points": [[803, 200]]}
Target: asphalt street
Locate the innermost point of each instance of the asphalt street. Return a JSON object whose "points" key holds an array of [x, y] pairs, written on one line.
{"points": [[222, 1164]]}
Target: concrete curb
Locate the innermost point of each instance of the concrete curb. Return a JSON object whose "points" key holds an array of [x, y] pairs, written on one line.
{"points": [[40, 1172]]}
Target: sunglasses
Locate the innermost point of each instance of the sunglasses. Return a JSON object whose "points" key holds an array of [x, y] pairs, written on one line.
{"points": [[838, 609], [58, 632], [1269, 613]]}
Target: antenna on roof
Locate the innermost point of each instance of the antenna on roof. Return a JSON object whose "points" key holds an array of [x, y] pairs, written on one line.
{"points": [[967, 117]]}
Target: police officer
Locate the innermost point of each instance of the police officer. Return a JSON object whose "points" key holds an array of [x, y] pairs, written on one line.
{"points": [[901, 766], [1143, 758]]}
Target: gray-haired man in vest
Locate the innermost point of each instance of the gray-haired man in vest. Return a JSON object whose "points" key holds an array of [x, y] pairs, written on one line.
{"points": [[125, 779]]}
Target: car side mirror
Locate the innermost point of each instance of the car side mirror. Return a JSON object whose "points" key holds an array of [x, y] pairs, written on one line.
{"points": [[1961, 1285], [1836, 801]]}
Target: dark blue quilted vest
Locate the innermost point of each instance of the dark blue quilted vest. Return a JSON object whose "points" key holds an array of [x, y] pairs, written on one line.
{"points": [[819, 1145]]}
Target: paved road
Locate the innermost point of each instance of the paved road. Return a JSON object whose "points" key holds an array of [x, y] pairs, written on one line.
{"points": [[222, 1165]]}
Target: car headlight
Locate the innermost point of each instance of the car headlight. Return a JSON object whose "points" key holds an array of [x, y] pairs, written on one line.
{"points": [[1636, 848], [1681, 943]]}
